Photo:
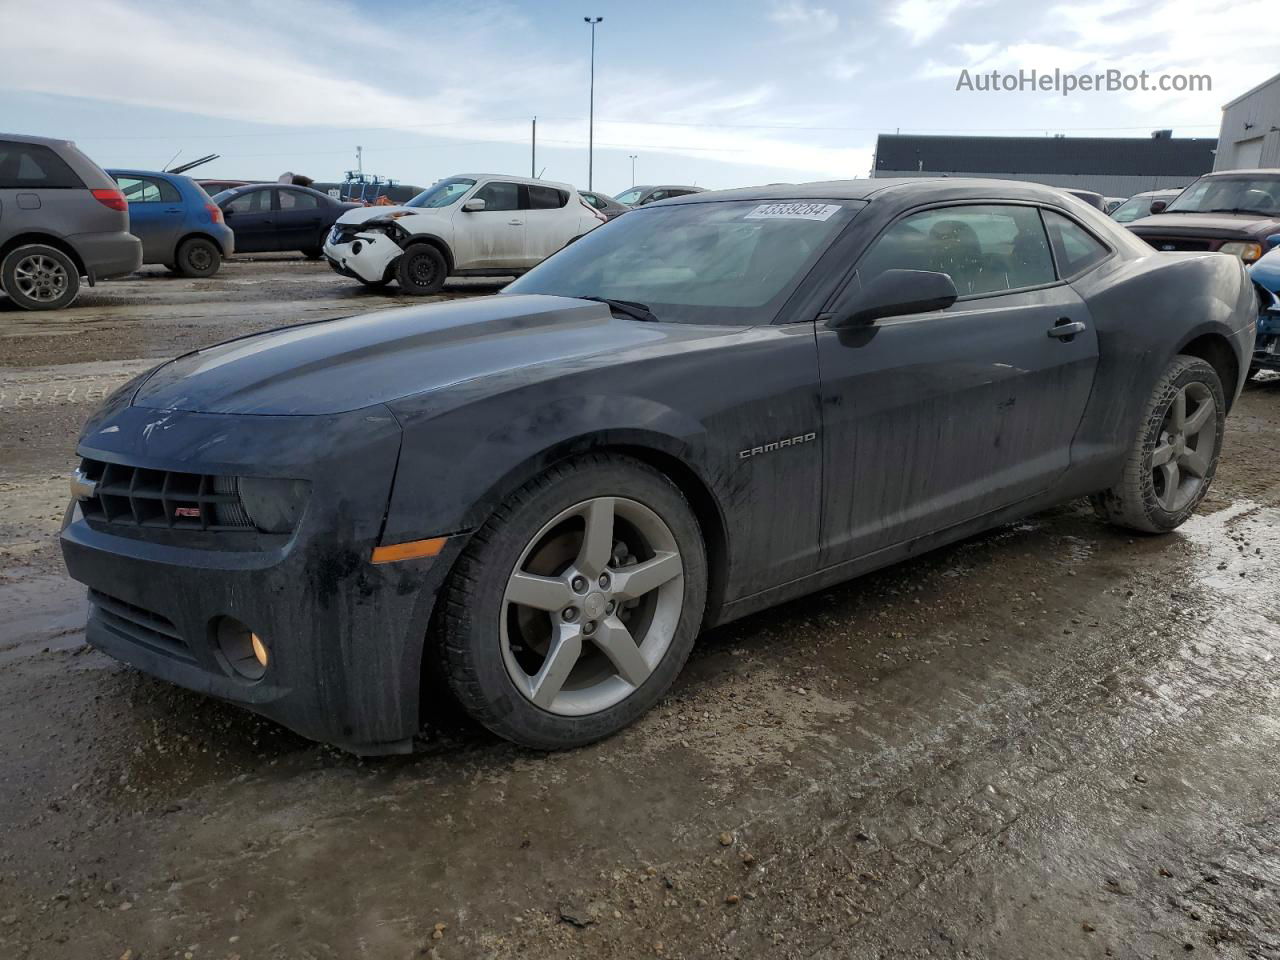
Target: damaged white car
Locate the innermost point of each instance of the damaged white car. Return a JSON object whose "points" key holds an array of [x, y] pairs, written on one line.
{"points": [[466, 226]]}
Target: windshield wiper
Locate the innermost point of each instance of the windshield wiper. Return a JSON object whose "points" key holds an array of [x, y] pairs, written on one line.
{"points": [[1261, 213], [630, 308]]}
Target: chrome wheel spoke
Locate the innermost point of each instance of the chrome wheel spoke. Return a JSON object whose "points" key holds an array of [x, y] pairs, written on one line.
{"points": [[1195, 462], [597, 538], [565, 650], [615, 642], [1200, 419], [631, 583], [541, 593], [1172, 478], [1162, 454], [1178, 411]]}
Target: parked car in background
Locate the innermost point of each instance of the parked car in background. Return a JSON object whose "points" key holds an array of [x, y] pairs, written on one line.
{"points": [[1235, 212], [713, 405], [212, 187], [177, 222], [1266, 277], [268, 217], [61, 218], [1139, 205], [1110, 203], [605, 204], [639, 196], [471, 225], [1096, 200]]}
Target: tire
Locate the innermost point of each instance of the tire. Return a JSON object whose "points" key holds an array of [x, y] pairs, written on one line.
{"points": [[40, 277], [493, 650], [1168, 470], [313, 253], [421, 270], [198, 257]]}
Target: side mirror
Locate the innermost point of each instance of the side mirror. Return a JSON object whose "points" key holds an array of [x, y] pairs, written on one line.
{"points": [[1157, 206], [895, 293], [473, 206]]}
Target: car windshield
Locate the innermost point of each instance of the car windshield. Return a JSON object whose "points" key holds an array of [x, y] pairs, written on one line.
{"points": [[1256, 194], [630, 196], [1133, 209], [443, 193], [732, 262]]}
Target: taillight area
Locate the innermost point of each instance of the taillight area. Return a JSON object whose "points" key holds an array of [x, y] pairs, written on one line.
{"points": [[111, 198], [215, 212]]}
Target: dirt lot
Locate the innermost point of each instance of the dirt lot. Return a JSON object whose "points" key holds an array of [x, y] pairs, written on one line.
{"points": [[1050, 741]]}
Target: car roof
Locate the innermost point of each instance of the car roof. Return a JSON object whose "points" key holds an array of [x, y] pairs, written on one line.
{"points": [[1252, 172], [941, 188], [531, 181], [29, 138], [129, 172]]}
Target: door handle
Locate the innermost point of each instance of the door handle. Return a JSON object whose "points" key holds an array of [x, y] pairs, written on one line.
{"points": [[515, 223], [173, 210], [1066, 328]]}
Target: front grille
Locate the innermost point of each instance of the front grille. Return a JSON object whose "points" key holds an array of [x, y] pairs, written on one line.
{"points": [[142, 626], [1178, 243], [162, 498]]}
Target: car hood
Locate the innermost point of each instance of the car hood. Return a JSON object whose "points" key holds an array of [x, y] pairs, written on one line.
{"points": [[1266, 272], [1206, 224], [334, 366], [365, 214]]}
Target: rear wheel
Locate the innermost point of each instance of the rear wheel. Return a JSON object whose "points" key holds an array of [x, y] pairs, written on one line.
{"points": [[198, 257], [313, 253], [574, 608], [1175, 455], [421, 270], [40, 277]]}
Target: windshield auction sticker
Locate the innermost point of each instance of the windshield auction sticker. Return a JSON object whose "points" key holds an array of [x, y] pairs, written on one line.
{"points": [[793, 211]]}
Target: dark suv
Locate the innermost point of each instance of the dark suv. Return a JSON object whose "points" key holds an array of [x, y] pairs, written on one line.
{"points": [[1235, 212], [61, 218]]}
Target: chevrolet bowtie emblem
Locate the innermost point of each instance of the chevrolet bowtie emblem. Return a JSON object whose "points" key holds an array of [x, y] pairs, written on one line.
{"points": [[82, 488]]}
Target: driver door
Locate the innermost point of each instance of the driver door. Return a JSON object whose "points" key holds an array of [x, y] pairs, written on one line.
{"points": [[492, 238], [932, 419]]}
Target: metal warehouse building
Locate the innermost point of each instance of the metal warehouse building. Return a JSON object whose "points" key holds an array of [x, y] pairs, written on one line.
{"points": [[1251, 129], [1111, 166]]}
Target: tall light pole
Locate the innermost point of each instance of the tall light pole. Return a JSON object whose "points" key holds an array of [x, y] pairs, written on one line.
{"points": [[591, 114], [633, 168]]}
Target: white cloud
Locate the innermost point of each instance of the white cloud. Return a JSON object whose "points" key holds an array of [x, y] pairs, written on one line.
{"points": [[803, 17], [922, 19]]}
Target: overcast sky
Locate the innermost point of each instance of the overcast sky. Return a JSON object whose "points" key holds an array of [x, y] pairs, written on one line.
{"points": [[718, 94]]}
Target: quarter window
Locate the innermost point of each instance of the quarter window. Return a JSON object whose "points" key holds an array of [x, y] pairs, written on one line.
{"points": [[546, 198], [33, 166], [499, 195], [1075, 248], [255, 201], [983, 248]]}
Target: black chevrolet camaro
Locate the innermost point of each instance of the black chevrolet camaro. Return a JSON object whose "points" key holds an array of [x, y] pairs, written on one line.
{"points": [[701, 409]]}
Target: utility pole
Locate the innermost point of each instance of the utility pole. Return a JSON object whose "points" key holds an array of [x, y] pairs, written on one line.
{"points": [[533, 155], [359, 161], [633, 169], [591, 113]]}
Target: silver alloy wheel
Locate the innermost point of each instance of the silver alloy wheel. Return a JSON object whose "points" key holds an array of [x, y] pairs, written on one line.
{"points": [[591, 606], [1184, 449], [40, 277]]}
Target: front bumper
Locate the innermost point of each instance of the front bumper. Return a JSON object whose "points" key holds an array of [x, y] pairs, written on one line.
{"points": [[108, 255], [366, 256], [345, 635], [1266, 348]]}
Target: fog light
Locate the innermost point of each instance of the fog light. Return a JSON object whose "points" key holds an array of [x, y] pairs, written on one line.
{"points": [[357, 247], [244, 653]]}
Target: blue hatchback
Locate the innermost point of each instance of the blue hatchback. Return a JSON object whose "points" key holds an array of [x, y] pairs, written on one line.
{"points": [[1266, 274], [178, 224]]}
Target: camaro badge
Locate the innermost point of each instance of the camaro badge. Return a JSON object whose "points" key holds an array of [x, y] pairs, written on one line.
{"points": [[776, 445]]}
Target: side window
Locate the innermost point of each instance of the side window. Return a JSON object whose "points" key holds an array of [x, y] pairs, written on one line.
{"points": [[1075, 247], [147, 190], [595, 201], [657, 195], [297, 200], [499, 195], [33, 166], [255, 201], [546, 198], [983, 248]]}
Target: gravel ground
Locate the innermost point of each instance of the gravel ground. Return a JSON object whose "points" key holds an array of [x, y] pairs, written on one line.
{"points": [[1050, 741]]}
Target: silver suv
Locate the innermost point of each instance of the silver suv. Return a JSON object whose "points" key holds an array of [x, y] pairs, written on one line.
{"points": [[61, 218]]}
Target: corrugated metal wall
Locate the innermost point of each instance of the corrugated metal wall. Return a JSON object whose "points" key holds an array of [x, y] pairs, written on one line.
{"points": [[1108, 186], [1258, 143]]}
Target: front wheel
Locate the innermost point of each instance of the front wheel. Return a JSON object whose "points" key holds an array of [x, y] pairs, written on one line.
{"points": [[40, 277], [312, 253], [421, 270], [1175, 454], [573, 609], [198, 257]]}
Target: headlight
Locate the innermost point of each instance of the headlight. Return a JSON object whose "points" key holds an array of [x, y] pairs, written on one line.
{"points": [[1248, 252], [274, 506]]}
